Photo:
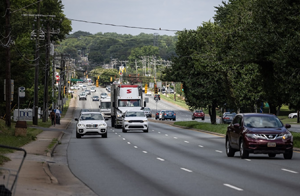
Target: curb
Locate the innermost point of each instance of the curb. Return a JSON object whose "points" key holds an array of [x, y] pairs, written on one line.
{"points": [[50, 154], [46, 168]]}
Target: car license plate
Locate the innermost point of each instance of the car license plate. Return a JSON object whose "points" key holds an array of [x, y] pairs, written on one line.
{"points": [[271, 144]]}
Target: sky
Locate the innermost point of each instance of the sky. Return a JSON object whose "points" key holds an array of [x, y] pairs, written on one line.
{"points": [[158, 14]]}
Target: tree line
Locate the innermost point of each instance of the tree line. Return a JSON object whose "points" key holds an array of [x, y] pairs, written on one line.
{"points": [[249, 55]]}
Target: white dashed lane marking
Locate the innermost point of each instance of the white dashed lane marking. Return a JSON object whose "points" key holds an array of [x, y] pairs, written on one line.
{"points": [[135, 147], [166, 135], [291, 171], [219, 151], [128, 142], [186, 141], [200, 146], [145, 152], [124, 139], [247, 159], [175, 138], [187, 170], [233, 187], [160, 159]]}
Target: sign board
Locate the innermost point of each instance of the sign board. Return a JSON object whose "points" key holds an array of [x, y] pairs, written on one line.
{"points": [[158, 84], [147, 99], [21, 91], [151, 85]]}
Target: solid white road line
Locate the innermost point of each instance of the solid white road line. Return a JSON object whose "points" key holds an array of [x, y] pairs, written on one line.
{"points": [[291, 171], [233, 187], [219, 151], [187, 170], [160, 159]]}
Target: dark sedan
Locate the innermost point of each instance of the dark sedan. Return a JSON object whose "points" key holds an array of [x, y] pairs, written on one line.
{"points": [[228, 118], [169, 115], [258, 134]]}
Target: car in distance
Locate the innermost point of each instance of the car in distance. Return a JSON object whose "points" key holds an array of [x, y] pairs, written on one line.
{"points": [[160, 114], [91, 123], [93, 89], [258, 134], [171, 115], [147, 112], [87, 92], [293, 115], [157, 97], [198, 114], [103, 95], [228, 118], [82, 96], [95, 98], [157, 114], [84, 87], [134, 120]]}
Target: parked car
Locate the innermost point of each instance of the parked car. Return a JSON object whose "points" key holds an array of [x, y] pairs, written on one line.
{"points": [[134, 120], [157, 97], [82, 96], [171, 91], [293, 115], [147, 112], [95, 98], [169, 115], [228, 118], [91, 123], [198, 114], [163, 90], [259, 134]]}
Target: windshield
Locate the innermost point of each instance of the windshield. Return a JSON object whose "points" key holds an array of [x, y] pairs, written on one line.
{"points": [[262, 122], [91, 117], [198, 111], [129, 103], [105, 105], [146, 109], [135, 114]]}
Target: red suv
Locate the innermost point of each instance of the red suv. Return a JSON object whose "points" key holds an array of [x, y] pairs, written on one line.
{"points": [[198, 114], [258, 134]]}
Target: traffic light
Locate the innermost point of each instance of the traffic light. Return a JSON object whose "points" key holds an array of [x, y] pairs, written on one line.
{"points": [[65, 90], [155, 89], [97, 83], [111, 79], [182, 88], [146, 87]]}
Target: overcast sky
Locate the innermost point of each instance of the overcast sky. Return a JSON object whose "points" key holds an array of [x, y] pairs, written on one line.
{"points": [[164, 14]]}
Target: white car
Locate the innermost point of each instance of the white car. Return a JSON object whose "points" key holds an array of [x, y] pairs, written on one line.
{"points": [[135, 120], [72, 87], [93, 90], [82, 96], [293, 115], [103, 95], [91, 123], [84, 87]]}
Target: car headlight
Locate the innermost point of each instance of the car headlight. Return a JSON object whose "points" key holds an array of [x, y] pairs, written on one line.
{"points": [[102, 125], [81, 125], [286, 136], [119, 115], [254, 136]]}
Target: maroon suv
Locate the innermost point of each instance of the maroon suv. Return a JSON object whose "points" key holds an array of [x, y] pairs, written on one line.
{"points": [[198, 114], [258, 134]]}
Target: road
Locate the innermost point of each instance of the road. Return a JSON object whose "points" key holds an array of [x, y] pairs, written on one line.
{"points": [[174, 161]]}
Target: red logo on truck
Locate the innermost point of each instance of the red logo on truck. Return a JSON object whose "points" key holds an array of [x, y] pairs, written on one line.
{"points": [[128, 91]]}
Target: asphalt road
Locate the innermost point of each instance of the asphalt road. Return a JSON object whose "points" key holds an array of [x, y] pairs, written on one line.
{"points": [[174, 161]]}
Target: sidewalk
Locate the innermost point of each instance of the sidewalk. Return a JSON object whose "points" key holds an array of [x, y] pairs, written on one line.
{"points": [[35, 177]]}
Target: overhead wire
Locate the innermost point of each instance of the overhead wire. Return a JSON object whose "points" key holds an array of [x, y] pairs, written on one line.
{"points": [[26, 6]]}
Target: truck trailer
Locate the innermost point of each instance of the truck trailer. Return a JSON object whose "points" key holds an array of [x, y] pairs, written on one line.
{"points": [[125, 98]]}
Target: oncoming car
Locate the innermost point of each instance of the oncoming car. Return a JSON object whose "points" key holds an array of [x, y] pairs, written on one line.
{"points": [[91, 123], [258, 134], [134, 120], [82, 96]]}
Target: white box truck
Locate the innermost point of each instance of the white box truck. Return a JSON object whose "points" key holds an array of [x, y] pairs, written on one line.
{"points": [[105, 107]]}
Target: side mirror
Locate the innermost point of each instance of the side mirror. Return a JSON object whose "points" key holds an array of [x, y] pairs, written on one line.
{"points": [[123, 115], [76, 119], [287, 126], [99, 106], [106, 119]]}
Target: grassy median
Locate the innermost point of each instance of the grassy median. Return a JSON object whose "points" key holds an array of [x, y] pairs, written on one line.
{"points": [[221, 128]]}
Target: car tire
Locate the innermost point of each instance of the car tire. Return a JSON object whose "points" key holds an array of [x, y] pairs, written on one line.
{"points": [[203, 118], [243, 152], [174, 119], [78, 135], [123, 130], [229, 150], [193, 118], [272, 155], [104, 135], [146, 131], [288, 155]]}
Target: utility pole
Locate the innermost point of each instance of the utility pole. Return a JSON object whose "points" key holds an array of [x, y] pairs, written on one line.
{"points": [[7, 62], [47, 67]]}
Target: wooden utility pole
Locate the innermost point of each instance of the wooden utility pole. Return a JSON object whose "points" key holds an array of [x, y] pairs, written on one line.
{"points": [[47, 67], [7, 63]]}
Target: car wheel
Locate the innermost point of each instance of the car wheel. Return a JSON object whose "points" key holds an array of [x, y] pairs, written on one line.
{"points": [[78, 135], [146, 131], [272, 155], [288, 155], [104, 135], [229, 151], [123, 130], [193, 118], [243, 152], [174, 119], [203, 118]]}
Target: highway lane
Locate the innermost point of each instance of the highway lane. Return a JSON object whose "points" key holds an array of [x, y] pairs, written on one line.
{"points": [[173, 161]]}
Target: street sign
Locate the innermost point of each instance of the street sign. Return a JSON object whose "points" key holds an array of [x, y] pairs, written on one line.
{"points": [[21, 91]]}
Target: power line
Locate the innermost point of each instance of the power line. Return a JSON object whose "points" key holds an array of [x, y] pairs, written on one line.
{"points": [[26, 6], [125, 26]]}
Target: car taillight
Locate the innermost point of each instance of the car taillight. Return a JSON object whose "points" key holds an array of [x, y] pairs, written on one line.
{"points": [[226, 118], [165, 114], [174, 114]]}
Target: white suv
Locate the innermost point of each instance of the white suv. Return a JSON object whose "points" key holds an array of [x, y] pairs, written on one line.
{"points": [[91, 123], [134, 120]]}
